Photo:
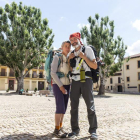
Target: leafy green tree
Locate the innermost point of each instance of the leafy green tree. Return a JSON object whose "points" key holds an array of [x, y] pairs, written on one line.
{"points": [[111, 51], [24, 39]]}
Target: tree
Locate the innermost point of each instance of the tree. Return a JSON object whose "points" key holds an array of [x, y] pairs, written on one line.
{"points": [[111, 51], [24, 39]]}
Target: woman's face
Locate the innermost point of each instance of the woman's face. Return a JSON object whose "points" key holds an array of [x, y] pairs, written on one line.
{"points": [[66, 48]]}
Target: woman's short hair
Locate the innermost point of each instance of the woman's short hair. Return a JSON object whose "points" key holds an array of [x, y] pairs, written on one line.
{"points": [[65, 42]]}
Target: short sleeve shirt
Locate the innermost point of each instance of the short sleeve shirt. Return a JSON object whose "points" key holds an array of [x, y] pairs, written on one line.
{"points": [[90, 55]]}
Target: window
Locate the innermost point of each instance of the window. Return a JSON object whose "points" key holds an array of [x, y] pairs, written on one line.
{"points": [[119, 80], [128, 79], [128, 85], [138, 63], [2, 73], [34, 75], [108, 87], [111, 81], [138, 75], [111, 87], [41, 75], [127, 67]]}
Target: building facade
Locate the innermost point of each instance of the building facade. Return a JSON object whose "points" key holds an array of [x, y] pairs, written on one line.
{"points": [[34, 79], [128, 79]]}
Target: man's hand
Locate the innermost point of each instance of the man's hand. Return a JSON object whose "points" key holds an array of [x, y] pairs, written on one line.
{"points": [[82, 55], [63, 89], [71, 56]]}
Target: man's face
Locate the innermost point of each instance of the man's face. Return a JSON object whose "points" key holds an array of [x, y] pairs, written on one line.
{"points": [[74, 41]]}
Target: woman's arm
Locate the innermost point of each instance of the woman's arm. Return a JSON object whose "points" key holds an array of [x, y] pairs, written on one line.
{"points": [[54, 69]]}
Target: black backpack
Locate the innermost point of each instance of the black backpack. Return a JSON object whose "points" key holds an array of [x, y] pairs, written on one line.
{"points": [[94, 72]]}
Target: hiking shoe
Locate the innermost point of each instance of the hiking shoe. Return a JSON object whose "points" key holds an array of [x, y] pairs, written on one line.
{"points": [[94, 136], [63, 130], [57, 133], [73, 135], [64, 135]]}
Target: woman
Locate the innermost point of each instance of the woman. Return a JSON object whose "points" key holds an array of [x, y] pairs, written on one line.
{"points": [[61, 87]]}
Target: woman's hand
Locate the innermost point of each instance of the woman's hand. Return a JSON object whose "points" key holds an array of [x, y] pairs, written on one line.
{"points": [[63, 89]]}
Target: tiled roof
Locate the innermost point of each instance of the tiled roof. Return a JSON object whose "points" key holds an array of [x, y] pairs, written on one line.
{"points": [[134, 56]]}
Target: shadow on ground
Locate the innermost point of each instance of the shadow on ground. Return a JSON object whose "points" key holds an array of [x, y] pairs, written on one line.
{"points": [[29, 136], [9, 94], [102, 96], [14, 93]]}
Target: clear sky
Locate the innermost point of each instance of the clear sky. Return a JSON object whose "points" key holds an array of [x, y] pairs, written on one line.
{"points": [[66, 17]]}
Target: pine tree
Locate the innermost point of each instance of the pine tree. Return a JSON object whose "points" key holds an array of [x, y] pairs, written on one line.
{"points": [[111, 51], [24, 39]]}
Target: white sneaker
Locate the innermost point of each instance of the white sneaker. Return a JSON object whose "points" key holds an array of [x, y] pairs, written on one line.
{"points": [[94, 136]]}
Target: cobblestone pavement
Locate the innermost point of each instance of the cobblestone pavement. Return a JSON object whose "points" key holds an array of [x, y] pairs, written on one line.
{"points": [[32, 117]]}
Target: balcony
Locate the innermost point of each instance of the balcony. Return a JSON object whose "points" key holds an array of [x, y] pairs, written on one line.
{"points": [[117, 74], [34, 76], [35, 68], [11, 74], [3, 73], [41, 68]]}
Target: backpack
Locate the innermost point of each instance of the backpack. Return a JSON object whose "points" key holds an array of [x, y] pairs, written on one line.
{"points": [[94, 72], [48, 62]]}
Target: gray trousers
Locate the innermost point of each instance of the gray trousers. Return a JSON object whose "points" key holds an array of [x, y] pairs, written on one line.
{"points": [[78, 88]]}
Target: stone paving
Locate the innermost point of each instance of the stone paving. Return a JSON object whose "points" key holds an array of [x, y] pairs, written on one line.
{"points": [[32, 117]]}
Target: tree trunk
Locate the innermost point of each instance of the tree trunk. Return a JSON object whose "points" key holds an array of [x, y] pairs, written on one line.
{"points": [[20, 83], [102, 86]]}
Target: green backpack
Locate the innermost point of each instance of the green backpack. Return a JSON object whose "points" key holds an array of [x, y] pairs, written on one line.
{"points": [[48, 62]]}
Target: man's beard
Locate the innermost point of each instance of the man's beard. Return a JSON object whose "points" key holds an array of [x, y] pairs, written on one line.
{"points": [[77, 45]]}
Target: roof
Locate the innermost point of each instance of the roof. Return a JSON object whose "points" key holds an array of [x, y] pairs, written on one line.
{"points": [[134, 56]]}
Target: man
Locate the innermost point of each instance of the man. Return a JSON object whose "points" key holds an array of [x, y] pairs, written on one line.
{"points": [[84, 88]]}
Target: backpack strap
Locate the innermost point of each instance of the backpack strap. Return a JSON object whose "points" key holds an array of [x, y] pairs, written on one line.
{"points": [[72, 51], [60, 56], [83, 50]]}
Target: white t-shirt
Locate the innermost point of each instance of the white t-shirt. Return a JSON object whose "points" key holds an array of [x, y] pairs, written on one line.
{"points": [[90, 55]]}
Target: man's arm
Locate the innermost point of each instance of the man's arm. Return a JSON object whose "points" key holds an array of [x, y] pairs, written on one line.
{"points": [[71, 56], [91, 64], [69, 65]]}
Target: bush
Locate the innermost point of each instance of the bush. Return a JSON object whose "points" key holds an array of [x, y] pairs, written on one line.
{"points": [[7, 90], [35, 89], [27, 90]]}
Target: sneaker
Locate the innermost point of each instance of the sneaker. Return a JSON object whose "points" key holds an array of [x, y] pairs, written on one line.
{"points": [[63, 135], [57, 133], [94, 136], [63, 130], [73, 135]]}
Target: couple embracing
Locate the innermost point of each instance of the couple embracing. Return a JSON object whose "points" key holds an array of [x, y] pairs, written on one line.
{"points": [[77, 65]]}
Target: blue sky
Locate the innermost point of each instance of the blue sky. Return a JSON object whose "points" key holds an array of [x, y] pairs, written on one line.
{"points": [[66, 17]]}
